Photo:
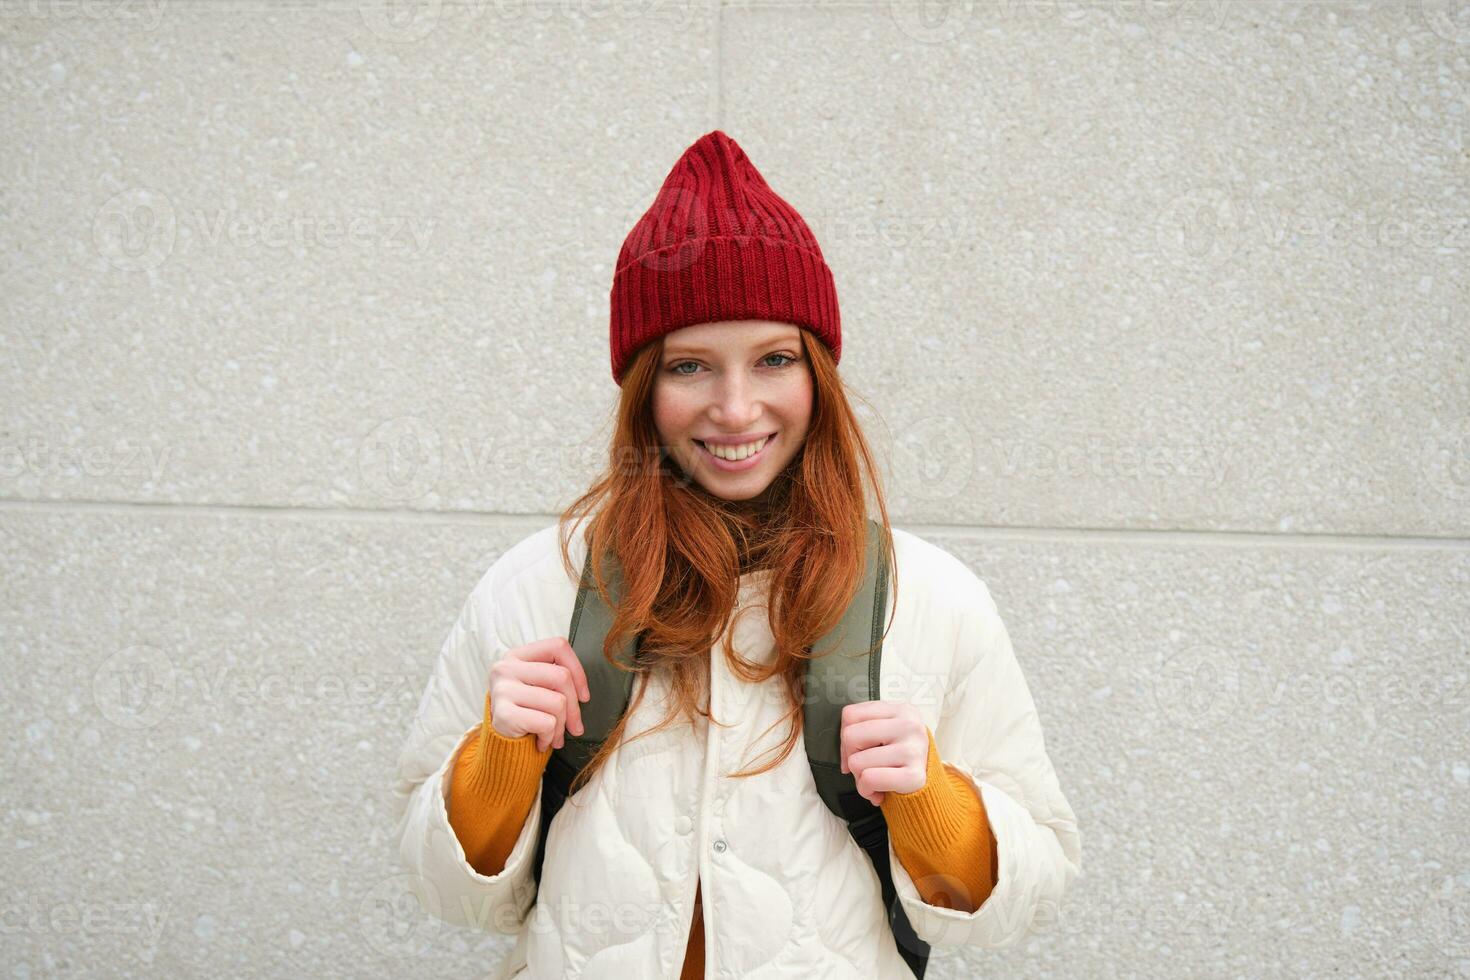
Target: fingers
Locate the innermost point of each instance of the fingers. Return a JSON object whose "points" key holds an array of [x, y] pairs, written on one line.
{"points": [[539, 711], [872, 783], [859, 735], [534, 711], [894, 756], [539, 688], [553, 677], [558, 651]]}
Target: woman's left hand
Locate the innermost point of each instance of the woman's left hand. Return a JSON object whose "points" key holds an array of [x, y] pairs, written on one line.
{"points": [[885, 745]]}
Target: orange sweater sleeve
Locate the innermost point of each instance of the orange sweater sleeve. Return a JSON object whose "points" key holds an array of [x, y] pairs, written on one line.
{"points": [[491, 789], [942, 835]]}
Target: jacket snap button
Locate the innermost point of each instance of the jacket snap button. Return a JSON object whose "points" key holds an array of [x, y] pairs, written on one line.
{"points": [[683, 825], [720, 846]]}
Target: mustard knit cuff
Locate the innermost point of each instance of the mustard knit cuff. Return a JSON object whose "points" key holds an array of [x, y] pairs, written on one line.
{"points": [[503, 770], [933, 817], [941, 833]]}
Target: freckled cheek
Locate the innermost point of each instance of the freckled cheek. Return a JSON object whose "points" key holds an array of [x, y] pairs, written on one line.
{"points": [[675, 419], [797, 408]]}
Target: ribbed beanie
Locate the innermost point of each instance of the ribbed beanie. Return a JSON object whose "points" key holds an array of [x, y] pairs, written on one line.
{"points": [[718, 244]]}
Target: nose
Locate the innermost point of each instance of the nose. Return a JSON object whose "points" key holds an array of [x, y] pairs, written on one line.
{"points": [[735, 406]]}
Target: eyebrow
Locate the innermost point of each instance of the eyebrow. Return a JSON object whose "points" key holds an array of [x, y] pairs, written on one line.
{"points": [[774, 339]]}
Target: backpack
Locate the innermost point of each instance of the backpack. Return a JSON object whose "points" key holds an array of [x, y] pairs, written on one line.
{"points": [[847, 674]]}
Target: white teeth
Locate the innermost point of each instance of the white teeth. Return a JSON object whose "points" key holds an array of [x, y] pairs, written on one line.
{"points": [[736, 453]]}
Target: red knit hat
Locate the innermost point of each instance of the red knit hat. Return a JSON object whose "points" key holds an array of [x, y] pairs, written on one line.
{"points": [[718, 244]]}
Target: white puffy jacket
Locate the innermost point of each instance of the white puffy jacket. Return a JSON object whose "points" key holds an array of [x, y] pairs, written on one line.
{"points": [[786, 892]]}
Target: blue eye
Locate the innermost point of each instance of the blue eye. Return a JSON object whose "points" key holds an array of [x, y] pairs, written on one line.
{"points": [[674, 368]]}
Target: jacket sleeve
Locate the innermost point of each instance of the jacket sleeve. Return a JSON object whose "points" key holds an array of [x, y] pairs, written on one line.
{"points": [[448, 717], [990, 734]]}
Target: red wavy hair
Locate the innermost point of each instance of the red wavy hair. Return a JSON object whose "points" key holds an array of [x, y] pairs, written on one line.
{"points": [[681, 549]]}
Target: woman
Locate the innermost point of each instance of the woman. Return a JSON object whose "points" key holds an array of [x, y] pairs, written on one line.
{"points": [[734, 517]]}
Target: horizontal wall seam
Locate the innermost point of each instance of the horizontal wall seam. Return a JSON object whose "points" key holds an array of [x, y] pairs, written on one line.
{"points": [[968, 532]]}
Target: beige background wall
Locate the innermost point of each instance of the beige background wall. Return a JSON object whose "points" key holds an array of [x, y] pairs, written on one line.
{"points": [[1159, 310]]}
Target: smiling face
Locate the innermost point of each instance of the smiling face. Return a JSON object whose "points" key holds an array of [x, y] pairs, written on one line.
{"points": [[742, 384]]}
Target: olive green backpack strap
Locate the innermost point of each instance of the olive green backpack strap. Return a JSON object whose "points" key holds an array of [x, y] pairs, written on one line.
{"points": [[610, 689], [849, 674]]}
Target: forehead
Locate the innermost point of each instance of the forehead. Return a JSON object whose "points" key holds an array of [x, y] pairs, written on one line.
{"points": [[730, 335]]}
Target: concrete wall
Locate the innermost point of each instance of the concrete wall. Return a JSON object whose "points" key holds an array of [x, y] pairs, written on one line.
{"points": [[1160, 315]]}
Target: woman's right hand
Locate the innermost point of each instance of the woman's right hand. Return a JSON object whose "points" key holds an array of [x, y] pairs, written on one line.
{"points": [[538, 689]]}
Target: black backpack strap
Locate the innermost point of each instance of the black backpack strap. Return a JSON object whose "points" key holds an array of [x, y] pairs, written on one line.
{"points": [[849, 674], [610, 689]]}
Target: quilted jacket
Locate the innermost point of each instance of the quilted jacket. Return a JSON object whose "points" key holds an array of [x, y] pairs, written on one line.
{"points": [[786, 892]]}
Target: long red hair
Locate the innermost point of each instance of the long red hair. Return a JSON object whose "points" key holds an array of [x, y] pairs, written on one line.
{"points": [[681, 550]]}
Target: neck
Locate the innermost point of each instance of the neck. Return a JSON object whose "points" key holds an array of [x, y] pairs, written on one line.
{"points": [[755, 521]]}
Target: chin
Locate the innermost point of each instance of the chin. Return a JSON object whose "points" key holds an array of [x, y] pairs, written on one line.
{"points": [[734, 496]]}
